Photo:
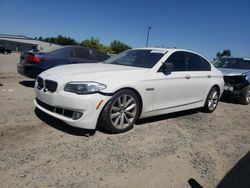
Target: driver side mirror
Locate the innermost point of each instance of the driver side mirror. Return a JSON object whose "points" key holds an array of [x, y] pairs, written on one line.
{"points": [[167, 67]]}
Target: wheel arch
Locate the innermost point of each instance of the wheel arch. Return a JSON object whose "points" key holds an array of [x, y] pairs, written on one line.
{"points": [[137, 94], [218, 87]]}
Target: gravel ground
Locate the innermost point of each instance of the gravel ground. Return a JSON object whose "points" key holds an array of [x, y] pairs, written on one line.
{"points": [[164, 151]]}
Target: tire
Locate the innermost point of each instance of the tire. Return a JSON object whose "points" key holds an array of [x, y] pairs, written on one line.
{"points": [[245, 98], [120, 113], [211, 100]]}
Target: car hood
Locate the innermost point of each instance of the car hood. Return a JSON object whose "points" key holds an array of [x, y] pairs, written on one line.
{"points": [[92, 72], [233, 72]]}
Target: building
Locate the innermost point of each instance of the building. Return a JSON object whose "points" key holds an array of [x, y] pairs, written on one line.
{"points": [[19, 43]]}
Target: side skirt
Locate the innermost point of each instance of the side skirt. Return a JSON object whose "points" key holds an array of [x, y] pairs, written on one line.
{"points": [[187, 106]]}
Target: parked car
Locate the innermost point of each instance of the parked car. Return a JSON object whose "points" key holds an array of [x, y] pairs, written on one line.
{"points": [[3, 50], [236, 73], [33, 63], [137, 83]]}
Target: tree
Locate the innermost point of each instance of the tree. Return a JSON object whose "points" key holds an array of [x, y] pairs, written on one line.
{"points": [[92, 43], [117, 46], [96, 44], [224, 53], [65, 40], [62, 40]]}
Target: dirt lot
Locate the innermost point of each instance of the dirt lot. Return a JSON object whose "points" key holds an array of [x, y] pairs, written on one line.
{"points": [[173, 150]]}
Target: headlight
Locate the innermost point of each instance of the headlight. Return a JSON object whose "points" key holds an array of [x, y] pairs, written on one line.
{"points": [[84, 87]]}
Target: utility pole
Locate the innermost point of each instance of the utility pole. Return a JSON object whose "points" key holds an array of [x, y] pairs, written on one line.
{"points": [[148, 36]]}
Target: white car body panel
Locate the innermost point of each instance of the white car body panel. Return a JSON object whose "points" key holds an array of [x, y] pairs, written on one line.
{"points": [[160, 93]]}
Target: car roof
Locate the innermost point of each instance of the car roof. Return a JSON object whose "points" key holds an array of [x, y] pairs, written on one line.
{"points": [[67, 46], [171, 50], [231, 57], [167, 49]]}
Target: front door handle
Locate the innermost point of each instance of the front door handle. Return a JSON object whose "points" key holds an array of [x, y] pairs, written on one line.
{"points": [[209, 75], [187, 76]]}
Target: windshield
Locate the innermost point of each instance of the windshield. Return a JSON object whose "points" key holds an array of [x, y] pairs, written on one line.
{"points": [[232, 63], [137, 58]]}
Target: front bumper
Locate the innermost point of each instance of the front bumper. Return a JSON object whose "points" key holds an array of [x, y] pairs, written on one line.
{"points": [[230, 90], [88, 105]]}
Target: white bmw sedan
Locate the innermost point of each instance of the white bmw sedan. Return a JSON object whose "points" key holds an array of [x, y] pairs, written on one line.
{"points": [[137, 83]]}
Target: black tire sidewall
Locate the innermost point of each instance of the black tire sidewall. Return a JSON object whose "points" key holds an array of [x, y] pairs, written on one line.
{"points": [[244, 95], [206, 108], [105, 114]]}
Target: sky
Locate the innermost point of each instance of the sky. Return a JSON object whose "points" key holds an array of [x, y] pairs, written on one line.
{"points": [[203, 26]]}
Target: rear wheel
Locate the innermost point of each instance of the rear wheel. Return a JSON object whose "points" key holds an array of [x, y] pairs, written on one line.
{"points": [[212, 100], [245, 98], [120, 112]]}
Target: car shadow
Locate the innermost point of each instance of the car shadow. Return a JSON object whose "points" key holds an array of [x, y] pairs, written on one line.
{"points": [[28, 83], [62, 126], [238, 176], [166, 116], [193, 183], [230, 99]]}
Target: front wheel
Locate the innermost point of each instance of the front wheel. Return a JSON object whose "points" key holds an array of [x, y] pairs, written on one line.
{"points": [[211, 100], [120, 112], [245, 98]]}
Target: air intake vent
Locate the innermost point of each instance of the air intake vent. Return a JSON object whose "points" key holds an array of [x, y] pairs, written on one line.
{"points": [[40, 83], [51, 85]]}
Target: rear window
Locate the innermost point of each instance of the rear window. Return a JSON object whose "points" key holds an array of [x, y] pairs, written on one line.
{"points": [[48, 50], [82, 53], [100, 56]]}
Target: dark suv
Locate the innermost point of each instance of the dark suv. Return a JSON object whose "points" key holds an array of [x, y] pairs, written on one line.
{"points": [[236, 73], [33, 63]]}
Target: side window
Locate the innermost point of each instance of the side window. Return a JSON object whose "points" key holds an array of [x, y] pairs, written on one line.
{"points": [[206, 64], [197, 63], [194, 62], [179, 61], [82, 53], [100, 56]]}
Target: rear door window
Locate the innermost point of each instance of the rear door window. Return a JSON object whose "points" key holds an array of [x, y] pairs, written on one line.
{"points": [[179, 61], [206, 64], [193, 62], [197, 63]]}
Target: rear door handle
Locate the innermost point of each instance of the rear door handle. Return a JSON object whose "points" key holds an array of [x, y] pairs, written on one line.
{"points": [[187, 76]]}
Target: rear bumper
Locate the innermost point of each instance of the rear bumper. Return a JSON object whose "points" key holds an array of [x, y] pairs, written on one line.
{"points": [[30, 71]]}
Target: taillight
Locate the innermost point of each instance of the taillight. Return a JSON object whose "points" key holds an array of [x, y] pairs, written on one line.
{"points": [[33, 58]]}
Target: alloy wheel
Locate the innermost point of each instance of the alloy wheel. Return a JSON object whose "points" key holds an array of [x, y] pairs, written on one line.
{"points": [[123, 111], [248, 96], [213, 100]]}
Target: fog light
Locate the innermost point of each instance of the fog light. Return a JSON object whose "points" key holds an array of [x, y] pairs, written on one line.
{"points": [[231, 88], [77, 115]]}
